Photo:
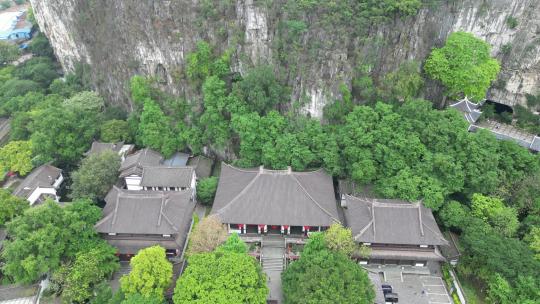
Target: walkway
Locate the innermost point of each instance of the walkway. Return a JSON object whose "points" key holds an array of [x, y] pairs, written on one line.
{"points": [[273, 251]]}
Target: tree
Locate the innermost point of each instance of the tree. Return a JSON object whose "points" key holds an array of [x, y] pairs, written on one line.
{"points": [[150, 274], [463, 66], [340, 239], [114, 131], [454, 215], [216, 102], [499, 290], [44, 236], [533, 238], [87, 271], [10, 206], [403, 84], [325, 276], [493, 211], [19, 87], [239, 275], [8, 53], [206, 190], [207, 235], [16, 156], [136, 298], [336, 112], [233, 244], [40, 70], [40, 46], [155, 129], [97, 173], [487, 252], [63, 132], [260, 90]]}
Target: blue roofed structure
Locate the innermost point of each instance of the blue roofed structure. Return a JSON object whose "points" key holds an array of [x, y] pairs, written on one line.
{"points": [[178, 159], [14, 26]]}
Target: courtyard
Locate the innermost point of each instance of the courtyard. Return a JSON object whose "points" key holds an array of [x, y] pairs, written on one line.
{"points": [[414, 285]]}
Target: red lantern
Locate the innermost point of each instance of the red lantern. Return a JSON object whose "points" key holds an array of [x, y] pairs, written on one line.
{"points": [[261, 226], [285, 227]]}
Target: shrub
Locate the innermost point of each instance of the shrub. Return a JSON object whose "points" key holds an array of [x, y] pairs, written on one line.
{"points": [[511, 22], [206, 190], [506, 48]]}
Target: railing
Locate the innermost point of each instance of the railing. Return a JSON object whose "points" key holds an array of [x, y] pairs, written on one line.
{"points": [[458, 287]]}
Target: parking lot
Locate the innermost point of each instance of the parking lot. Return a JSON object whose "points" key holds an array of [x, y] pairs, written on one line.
{"points": [[411, 288], [435, 290]]}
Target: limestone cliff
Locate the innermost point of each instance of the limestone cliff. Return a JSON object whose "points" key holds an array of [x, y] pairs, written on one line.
{"points": [[125, 37]]}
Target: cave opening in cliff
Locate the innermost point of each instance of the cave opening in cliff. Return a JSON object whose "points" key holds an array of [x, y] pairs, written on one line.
{"points": [[499, 108]]}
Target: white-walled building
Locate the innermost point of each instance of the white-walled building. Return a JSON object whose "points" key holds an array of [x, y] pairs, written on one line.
{"points": [[147, 170], [132, 167], [42, 183]]}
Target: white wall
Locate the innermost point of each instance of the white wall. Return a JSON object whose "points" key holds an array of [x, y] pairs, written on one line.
{"points": [[133, 182], [40, 191]]}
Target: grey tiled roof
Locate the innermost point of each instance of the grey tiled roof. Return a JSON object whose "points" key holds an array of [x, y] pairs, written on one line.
{"points": [[404, 254], [469, 109], [202, 165], [146, 212], [275, 197], [98, 147], [43, 176], [134, 163], [167, 177], [385, 221]]}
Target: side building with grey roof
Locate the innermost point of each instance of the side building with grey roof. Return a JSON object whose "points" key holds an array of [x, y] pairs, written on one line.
{"points": [[202, 165], [132, 167], [133, 220], [275, 201], [397, 232], [147, 170], [41, 184], [119, 147]]}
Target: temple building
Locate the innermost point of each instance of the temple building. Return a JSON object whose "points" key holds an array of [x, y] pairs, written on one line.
{"points": [[396, 232], [133, 220], [261, 201], [471, 113]]}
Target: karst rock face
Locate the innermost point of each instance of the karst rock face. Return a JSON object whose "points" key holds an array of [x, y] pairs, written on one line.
{"points": [[121, 38]]}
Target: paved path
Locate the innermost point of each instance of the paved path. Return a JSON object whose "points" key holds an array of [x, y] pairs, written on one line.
{"points": [[273, 250], [200, 210]]}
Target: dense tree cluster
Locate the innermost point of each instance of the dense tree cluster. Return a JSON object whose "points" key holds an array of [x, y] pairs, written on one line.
{"points": [[226, 275], [48, 238], [325, 276]]}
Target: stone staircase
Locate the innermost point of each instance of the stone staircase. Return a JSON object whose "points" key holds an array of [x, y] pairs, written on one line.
{"points": [[273, 250]]}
